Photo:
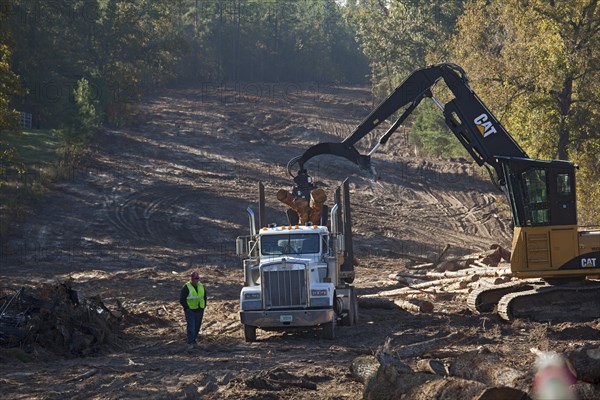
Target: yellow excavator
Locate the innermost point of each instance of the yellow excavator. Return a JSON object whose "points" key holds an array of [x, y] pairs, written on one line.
{"points": [[547, 243]]}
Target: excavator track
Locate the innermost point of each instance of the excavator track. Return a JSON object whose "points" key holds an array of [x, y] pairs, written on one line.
{"points": [[553, 303], [485, 299]]}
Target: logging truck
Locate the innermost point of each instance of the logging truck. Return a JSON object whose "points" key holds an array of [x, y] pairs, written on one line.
{"points": [[299, 275]]}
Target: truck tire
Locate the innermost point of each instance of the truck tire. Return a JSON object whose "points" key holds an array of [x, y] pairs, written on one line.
{"points": [[328, 331], [250, 333]]}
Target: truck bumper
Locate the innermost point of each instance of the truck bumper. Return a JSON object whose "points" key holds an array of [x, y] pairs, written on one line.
{"points": [[286, 318]]}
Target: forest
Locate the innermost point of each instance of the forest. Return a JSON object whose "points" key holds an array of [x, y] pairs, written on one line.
{"points": [[77, 66]]}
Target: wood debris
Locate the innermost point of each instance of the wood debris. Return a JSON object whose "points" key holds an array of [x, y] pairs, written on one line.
{"points": [[458, 275]]}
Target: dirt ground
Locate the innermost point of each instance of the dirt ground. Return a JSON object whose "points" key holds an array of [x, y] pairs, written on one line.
{"points": [[152, 202]]}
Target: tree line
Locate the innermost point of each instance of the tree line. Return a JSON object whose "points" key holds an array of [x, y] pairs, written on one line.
{"points": [[76, 64], [112, 51]]}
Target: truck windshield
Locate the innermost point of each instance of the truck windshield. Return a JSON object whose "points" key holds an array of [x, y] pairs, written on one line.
{"points": [[303, 243]]}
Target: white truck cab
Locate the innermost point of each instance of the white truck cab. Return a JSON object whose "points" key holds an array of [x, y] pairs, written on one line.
{"points": [[292, 279]]}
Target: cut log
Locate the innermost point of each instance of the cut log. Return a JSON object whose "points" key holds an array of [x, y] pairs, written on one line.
{"points": [[435, 367], [376, 303], [586, 391], [409, 281], [585, 363], [416, 349], [317, 199], [420, 266], [389, 384], [492, 257], [441, 283], [504, 254], [482, 264], [503, 393], [364, 368], [286, 198], [301, 207], [413, 275], [447, 388], [485, 367], [415, 305], [469, 271], [450, 266], [457, 286]]}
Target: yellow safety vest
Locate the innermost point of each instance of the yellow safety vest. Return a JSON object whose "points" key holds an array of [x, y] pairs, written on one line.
{"points": [[195, 297]]}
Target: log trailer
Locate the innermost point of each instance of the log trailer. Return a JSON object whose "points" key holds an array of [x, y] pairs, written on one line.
{"points": [[547, 242], [299, 275]]}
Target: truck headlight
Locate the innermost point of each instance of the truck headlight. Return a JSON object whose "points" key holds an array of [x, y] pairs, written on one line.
{"points": [[318, 292], [251, 296]]}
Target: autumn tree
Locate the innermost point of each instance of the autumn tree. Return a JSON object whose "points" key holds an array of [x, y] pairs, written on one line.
{"points": [[9, 86], [9, 82], [537, 64]]}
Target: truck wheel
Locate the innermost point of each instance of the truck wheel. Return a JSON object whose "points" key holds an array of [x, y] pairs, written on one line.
{"points": [[328, 331], [250, 333]]}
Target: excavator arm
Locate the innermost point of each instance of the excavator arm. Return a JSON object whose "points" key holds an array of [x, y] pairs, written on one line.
{"points": [[468, 118]]}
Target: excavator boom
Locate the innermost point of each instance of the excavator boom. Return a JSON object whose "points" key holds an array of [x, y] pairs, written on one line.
{"points": [[468, 118]]}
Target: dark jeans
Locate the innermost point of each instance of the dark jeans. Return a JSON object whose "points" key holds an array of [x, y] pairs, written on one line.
{"points": [[194, 322]]}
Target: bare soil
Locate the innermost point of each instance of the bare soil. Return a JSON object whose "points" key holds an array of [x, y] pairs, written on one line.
{"points": [[152, 202]]}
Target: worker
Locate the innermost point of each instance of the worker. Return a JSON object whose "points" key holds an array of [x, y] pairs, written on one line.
{"points": [[193, 300]]}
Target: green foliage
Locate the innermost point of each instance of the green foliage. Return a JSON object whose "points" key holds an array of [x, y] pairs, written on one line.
{"points": [[432, 136], [399, 37], [9, 81], [127, 48], [35, 162], [9, 86], [83, 119]]}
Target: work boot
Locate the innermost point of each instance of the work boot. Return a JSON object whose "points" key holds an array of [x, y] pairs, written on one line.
{"points": [[190, 346]]}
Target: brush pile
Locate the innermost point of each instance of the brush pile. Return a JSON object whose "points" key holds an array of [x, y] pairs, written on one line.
{"points": [[56, 318]]}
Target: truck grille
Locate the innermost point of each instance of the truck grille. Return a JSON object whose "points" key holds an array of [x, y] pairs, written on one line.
{"points": [[284, 288]]}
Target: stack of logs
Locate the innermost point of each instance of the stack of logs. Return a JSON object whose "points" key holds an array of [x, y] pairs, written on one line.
{"points": [[456, 276], [475, 375], [307, 211]]}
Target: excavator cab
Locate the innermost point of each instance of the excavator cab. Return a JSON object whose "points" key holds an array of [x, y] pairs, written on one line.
{"points": [[546, 237], [541, 192]]}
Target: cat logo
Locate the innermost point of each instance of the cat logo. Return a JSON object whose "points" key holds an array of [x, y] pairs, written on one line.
{"points": [[484, 125], [588, 262]]}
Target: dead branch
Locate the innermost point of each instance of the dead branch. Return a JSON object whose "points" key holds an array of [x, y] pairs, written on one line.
{"points": [[415, 305], [416, 349]]}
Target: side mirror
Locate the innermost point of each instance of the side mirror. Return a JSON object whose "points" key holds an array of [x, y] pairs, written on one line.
{"points": [[241, 247], [340, 244]]}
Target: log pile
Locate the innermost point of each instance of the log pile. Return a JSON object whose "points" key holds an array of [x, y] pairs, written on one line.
{"points": [[476, 375], [57, 319], [307, 211], [386, 377], [461, 275]]}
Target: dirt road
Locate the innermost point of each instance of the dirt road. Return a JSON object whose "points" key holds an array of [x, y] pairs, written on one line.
{"points": [[167, 195]]}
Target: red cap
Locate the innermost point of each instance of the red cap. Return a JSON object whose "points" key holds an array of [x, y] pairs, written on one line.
{"points": [[195, 275]]}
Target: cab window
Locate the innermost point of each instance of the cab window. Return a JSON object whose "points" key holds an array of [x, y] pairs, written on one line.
{"points": [[536, 196], [563, 184]]}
